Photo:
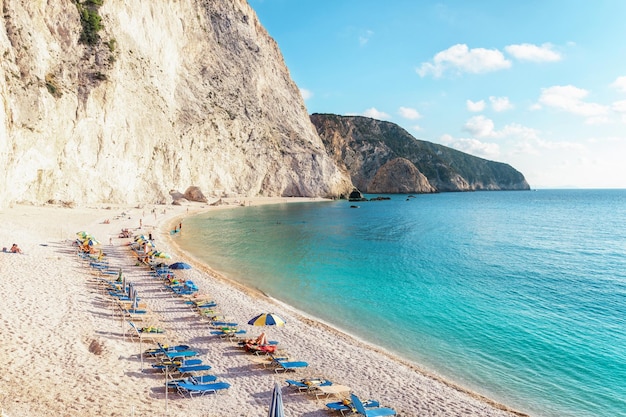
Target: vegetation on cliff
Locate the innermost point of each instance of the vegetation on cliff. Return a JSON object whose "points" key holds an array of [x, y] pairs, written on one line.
{"points": [[90, 20]]}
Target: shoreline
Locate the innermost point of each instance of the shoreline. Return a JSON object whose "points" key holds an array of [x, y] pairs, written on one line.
{"points": [[55, 307], [314, 321]]}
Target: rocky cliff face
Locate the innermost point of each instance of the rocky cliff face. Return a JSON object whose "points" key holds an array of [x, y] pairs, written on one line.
{"points": [[384, 158], [175, 93], [399, 176]]}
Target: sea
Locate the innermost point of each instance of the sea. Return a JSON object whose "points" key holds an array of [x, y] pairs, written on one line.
{"points": [[517, 295]]}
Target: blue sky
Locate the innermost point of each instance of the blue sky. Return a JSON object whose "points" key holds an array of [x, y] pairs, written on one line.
{"points": [[540, 85]]}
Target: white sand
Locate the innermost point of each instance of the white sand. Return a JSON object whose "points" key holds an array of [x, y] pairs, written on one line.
{"points": [[52, 312]]}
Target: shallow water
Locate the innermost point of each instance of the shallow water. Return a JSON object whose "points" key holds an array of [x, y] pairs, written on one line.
{"points": [[520, 296]]}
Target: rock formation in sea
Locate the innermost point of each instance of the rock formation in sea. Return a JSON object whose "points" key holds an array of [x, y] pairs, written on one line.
{"points": [[126, 101], [381, 157]]}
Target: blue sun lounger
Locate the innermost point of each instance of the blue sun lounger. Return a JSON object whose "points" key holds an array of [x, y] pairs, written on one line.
{"points": [[161, 350], [303, 386], [342, 407], [227, 333], [288, 366], [370, 412], [200, 389], [197, 380], [181, 354], [184, 370], [176, 364]]}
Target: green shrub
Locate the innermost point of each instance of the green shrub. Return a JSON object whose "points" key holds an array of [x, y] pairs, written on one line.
{"points": [[111, 44], [90, 20]]}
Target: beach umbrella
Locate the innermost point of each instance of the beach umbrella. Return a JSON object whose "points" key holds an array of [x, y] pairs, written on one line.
{"points": [[180, 265], [91, 241], [158, 254], [267, 319], [276, 404], [135, 300], [82, 234]]}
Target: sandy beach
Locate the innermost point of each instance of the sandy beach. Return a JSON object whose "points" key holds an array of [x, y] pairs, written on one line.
{"points": [[66, 349]]}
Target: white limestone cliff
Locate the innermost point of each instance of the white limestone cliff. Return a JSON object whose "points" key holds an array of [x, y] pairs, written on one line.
{"points": [[178, 93]]}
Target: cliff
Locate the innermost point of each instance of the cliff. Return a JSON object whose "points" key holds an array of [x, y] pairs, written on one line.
{"points": [[381, 157], [165, 95]]}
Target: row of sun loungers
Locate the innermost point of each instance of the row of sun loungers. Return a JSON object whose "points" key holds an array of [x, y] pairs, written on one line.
{"points": [[184, 364], [185, 372]]}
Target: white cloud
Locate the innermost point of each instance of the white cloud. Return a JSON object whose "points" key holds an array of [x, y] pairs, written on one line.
{"points": [[597, 120], [472, 146], [416, 128], [500, 103], [483, 127], [619, 106], [306, 94], [365, 37], [620, 84], [534, 53], [479, 126], [570, 99], [475, 106], [459, 58], [375, 114], [409, 113]]}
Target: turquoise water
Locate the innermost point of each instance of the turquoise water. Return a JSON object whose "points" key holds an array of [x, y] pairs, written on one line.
{"points": [[520, 296]]}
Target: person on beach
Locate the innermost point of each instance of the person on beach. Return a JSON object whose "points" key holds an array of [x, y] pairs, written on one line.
{"points": [[15, 249], [261, 340]]}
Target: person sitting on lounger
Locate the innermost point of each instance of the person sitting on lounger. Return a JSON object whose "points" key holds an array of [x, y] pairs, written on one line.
{"points": [[259, 341], [15, 249]]}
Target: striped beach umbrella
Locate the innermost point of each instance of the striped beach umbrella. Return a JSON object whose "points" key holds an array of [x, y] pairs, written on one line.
{"points": [[267, 319]]}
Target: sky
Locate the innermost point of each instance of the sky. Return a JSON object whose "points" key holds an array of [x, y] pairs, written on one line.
{"points": [[537, 84]]}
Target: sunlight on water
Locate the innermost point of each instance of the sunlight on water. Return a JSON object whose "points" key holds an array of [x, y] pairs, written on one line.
{"points": [[520, 296]]}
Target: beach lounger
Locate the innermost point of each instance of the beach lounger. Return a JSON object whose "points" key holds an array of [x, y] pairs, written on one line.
{"points": [[261, 349], [346, 406], [161, 350], [142, 334], [221, 324], [184, 370], [308, 384], [173, 364], [203, 305], [202, 379], [200, 389], [370, 412], [300, 386], [180, 354], [285, 366], [225, 333], [197, 380]]}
